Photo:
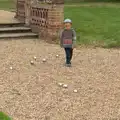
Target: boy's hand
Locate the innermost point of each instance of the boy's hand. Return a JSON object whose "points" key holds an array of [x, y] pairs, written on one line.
{"points": [[74, 46]]}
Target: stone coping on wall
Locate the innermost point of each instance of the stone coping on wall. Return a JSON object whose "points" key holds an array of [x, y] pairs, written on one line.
{"points": [[46, 6]]}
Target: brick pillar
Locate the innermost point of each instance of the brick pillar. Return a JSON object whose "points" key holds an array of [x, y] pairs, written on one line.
{"points": [[16, 12], [55, 19], [20, 10]]}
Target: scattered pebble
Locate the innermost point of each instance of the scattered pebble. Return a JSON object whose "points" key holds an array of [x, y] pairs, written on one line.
{"points": [[65, 86], [118, 111], [14, 91], [54, 5], [75, 91]]}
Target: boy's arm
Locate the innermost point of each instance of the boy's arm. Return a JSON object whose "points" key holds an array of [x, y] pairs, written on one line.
{"points": [[74, 38]]}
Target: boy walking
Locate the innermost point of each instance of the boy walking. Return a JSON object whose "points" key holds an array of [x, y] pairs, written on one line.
{"points": [[68, 40]]}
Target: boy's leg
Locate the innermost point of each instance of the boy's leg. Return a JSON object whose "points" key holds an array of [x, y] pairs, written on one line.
{"points": [[68, 55], [71, 53]]}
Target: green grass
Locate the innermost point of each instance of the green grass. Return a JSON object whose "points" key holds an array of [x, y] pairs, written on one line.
{"points": [[79, 1], [98, 26], [7, 4], [4, 116]]}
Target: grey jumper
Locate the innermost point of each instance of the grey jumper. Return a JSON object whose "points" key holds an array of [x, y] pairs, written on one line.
{"points": [[67, 38]]}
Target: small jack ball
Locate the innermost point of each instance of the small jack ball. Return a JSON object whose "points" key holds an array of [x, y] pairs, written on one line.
{"points": [[35, 58]]}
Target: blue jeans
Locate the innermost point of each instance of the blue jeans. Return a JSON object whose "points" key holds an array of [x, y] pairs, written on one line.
{"points": [[69, 54]]}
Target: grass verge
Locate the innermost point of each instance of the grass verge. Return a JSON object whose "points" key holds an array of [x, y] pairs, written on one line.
{"points": [[7, 4], [96, 25]]}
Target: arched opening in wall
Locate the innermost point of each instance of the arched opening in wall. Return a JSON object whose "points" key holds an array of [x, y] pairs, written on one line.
{"points": [[45, 13]]}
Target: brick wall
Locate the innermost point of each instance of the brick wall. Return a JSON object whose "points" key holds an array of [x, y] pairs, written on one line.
{"points": [[45, 18], [55, 19]]}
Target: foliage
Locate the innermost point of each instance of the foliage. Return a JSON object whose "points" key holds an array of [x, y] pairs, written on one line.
{"points": [[4, 116]]}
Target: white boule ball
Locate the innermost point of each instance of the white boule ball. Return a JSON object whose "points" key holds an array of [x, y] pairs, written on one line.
{"points": [[44, 60], [65, 86], [75, 91], [32, 62]]}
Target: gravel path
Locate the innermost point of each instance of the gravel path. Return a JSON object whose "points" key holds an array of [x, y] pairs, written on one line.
{"points": [[7, 17], [31, 92]]}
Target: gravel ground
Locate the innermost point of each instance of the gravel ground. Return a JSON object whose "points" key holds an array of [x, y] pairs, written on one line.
{"points": [[31, 92]]}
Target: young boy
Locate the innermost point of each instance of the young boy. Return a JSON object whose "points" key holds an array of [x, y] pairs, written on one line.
{"points": [[68, 40]]}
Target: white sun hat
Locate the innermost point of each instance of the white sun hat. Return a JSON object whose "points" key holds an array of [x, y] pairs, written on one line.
{"points": [[67, 21]]}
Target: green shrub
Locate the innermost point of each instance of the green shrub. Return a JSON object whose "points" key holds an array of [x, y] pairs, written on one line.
{"points": [[4, 116]]}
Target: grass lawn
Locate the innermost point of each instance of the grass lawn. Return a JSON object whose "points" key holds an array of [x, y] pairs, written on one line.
{"points": [[95, 25], [7, 4], [3, 116]]}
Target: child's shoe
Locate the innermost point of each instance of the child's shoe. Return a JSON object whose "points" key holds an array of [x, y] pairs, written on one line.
{"points": [[68, 65]]}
